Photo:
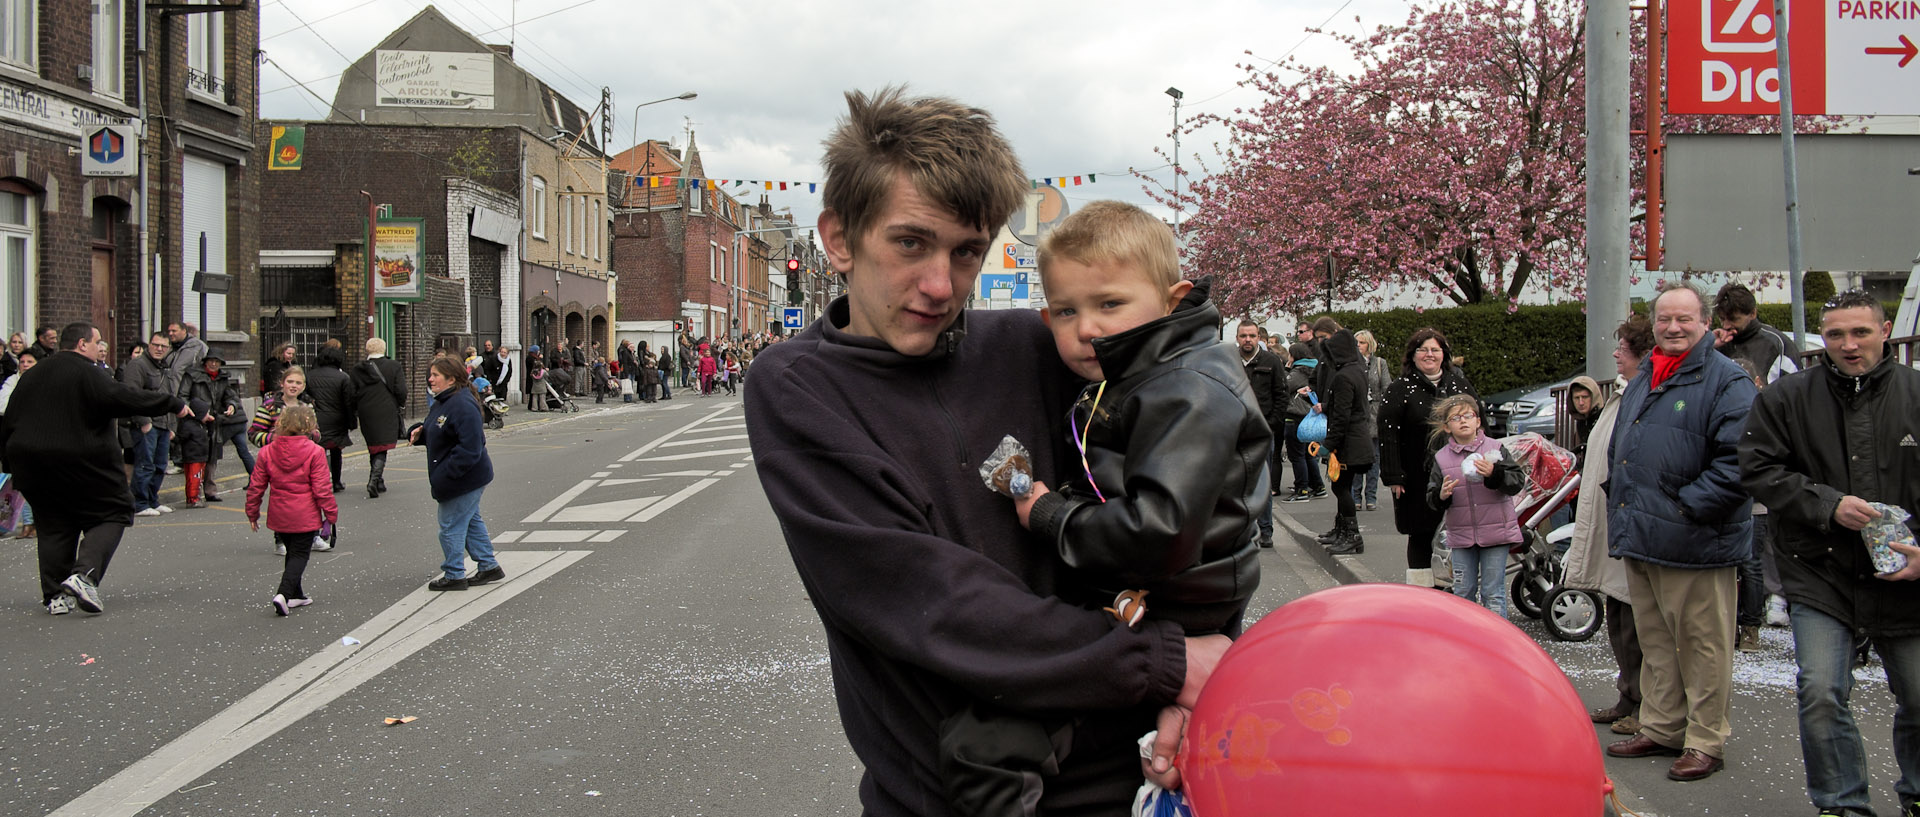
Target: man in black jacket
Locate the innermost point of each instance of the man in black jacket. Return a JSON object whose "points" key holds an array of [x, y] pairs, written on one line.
{"points": [[1820, 445], [62, 445], [1267, 373], [867, 430]]}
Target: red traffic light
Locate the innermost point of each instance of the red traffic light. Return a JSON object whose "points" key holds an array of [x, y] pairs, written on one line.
{"points": [[793, 265]]}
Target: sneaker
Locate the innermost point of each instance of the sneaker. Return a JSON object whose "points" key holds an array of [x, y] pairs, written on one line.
{"points": [[444, 583], [488, 576], [213, 497], [1749, 640], [85, 594], [173, 469], [147, 512], [1777, 612], [1298, 497], [1372, 506], [163, 509], [279, 549], [298, 602], [321, 545], [279, 603], [1320, 494], [194, 505], [60, 605]]}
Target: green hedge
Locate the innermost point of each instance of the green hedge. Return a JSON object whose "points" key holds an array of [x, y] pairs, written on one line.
{"points": [[1503, 350]]}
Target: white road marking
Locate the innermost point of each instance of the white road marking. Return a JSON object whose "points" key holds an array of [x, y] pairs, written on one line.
{"points": [[698, 454], [559, 502], [638, 452], [700, 440], [606, 536], [599, 474], [740, 425], [604, 511], [549, 537], [608, 482], [740, 465], [682, 496], [410, 625], [682, 474], [506, 537]]}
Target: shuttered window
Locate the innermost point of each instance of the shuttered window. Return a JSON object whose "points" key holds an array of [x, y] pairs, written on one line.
{"points": [[203, 215], [17, 261]]}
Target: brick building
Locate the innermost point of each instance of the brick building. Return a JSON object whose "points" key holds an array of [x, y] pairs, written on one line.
{"points": [[78, 246], [503, 173]]}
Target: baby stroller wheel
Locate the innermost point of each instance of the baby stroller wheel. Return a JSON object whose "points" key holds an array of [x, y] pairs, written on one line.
{"points": [[1572, 615], [496, 424], [1526, 595]]}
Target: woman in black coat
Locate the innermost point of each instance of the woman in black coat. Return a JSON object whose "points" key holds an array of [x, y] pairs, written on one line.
{"points": [[1406, 442], [380, 392], [333, 403], [1347, 435], [275, 366]]}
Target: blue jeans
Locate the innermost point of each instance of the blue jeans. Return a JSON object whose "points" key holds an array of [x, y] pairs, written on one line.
{"points": [[666, 385], [238, 436], [1481, 569], [1829, 739], [149, 466], [464, 533], [1366, 487]]}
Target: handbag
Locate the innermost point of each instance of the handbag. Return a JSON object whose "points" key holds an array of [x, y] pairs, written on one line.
{"points": [[626, 387], [1313, 427]]}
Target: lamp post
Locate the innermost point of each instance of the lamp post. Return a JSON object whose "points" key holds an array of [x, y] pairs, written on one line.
{"points": [[1177, 96], [635, 138]]}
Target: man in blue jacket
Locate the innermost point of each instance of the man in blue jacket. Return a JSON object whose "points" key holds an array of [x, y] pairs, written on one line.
{"points": [[1677, 515]]}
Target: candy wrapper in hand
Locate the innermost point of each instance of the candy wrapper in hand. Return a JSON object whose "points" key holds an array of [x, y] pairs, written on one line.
{"points": [[1009, 470], [1470, 466], [1890, 528]]}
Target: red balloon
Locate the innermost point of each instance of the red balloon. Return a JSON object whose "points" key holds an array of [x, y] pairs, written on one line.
{"points": [[1390, 699]]}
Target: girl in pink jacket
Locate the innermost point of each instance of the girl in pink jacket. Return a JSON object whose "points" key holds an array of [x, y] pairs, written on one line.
{"points": [[295, 469], [1473, 481]]}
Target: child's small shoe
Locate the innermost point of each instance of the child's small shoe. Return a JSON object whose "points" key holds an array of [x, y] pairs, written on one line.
{"points": [[279, 604]]}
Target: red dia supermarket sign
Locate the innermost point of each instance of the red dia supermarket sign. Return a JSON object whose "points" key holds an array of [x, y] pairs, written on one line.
{"points": [[1849, 57]]}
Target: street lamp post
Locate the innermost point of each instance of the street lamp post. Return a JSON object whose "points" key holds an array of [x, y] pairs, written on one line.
{"points": [[635, 138], [1177, 96]]}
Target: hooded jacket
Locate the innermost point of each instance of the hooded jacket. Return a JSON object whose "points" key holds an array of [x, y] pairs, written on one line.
{"points": [[1583, 424], [1588, 566], [1673, 487], [1346, 402], [302, 488], [930, 593], [1819, 435], [1767, 348], [1177, 445]]}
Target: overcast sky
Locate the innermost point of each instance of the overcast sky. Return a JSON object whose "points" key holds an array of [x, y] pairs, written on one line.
{"points": [[1078, 86]]}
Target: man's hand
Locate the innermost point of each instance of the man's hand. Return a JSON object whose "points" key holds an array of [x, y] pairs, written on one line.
{"points": [[228, 412], [186, 411], [1911, 571], [145, 427], [1722, 337], [1853, 513], [1398, 490], [1203, 654], [1024, 505], [1167, 742]]}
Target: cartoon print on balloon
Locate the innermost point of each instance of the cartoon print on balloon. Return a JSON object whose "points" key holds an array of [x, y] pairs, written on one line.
{"points": [[1319, 710]]}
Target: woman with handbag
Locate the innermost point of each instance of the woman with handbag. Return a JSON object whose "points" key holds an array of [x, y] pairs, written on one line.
{"points": [[380, 393]]}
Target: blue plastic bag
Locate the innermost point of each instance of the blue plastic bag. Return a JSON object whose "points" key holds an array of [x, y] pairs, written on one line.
{"points": [[1313, 427]]}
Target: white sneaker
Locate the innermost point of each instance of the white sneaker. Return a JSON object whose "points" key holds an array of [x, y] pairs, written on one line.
{"points": [[295, 603], [279, 549], [320, 545], [163, 509], [1777, 612], [147, 512], [60, 605], [173, 469]]}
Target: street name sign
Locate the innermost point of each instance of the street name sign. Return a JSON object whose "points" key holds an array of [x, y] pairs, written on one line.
{"points": [[1853, 57]]}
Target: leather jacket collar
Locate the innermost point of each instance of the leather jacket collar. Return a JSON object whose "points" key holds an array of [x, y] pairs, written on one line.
{"points": [[1157, 341]]}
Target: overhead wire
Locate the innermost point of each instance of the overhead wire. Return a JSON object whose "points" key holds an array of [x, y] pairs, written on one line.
{"points": [[558, 64], [351, 65], [382, 136]]}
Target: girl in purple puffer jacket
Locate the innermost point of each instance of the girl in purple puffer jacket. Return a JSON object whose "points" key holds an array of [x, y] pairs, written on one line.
{"points": [[1473, 481]]}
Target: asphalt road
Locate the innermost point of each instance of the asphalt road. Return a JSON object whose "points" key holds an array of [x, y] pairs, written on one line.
{"points": [[652, 652]]}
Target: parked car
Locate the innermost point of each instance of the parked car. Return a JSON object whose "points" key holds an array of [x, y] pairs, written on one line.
{"points": [[1528, 408]]}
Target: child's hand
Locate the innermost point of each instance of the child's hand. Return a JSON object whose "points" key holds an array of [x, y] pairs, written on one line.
{"points": [[255, 523], [1024, 506], [1484, 466], [1446, 487]]}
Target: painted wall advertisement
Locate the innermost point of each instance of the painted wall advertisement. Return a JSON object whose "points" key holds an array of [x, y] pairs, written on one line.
{"points": [[399, 250], [436, 79]]}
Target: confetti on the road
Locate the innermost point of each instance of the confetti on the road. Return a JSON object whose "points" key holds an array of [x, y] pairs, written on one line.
{"points": [[402, 719], [593, 794], [88, 661], [349, 640]]}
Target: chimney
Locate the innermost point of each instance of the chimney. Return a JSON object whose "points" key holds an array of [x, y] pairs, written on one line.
{"points": [[502, 50]]}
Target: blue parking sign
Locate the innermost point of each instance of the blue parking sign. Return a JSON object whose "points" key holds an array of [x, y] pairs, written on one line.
{"points": [[791, 317]]}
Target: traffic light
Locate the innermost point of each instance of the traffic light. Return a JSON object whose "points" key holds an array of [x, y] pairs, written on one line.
{"points": [[794, 295], [793, 265]]}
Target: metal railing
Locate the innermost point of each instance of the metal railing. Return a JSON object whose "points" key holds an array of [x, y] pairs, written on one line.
{"points": [[296, 287]]}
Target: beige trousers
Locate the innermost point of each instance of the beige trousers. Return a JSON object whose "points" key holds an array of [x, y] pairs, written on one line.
{"points": [[1685, 622]]}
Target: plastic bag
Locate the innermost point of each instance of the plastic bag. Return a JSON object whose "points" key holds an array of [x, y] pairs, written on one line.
{"points": [[1313, 427], [1009, 469], [1546, 465], [1890, 528]]}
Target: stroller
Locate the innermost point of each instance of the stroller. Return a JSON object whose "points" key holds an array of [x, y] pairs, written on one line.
{"points": [[493, 408], [552, 399], [1536, 566]]}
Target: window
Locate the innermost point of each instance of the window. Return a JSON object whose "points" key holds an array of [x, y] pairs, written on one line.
{"points": [[594, 229], [695, 199], [566, 224], [19, 32], [580, 224], [17, 260], [713, 261], [537, 208], [203, 236], [207, 54], [109, 43]]}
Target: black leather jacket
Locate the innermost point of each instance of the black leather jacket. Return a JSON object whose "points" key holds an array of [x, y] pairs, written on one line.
{"points": [[1179, 449]]}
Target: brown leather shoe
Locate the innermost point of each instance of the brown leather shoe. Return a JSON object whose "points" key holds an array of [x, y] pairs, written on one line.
{"points": [[1610, 714], [1694, 765], [1639, 746]]}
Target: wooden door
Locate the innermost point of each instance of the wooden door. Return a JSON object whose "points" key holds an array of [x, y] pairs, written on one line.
{"points": [[103, 295]]}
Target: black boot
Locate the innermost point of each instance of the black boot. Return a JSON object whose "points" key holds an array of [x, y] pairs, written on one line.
{"points": [[1350, 543], [376, 475], [1327, 539]]}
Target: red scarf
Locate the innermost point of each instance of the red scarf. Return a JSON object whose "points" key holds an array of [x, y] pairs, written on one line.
{"points": [[1664, 365]]}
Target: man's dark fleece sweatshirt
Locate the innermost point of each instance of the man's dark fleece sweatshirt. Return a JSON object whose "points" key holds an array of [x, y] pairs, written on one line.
{"points": [[930, 591]]}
